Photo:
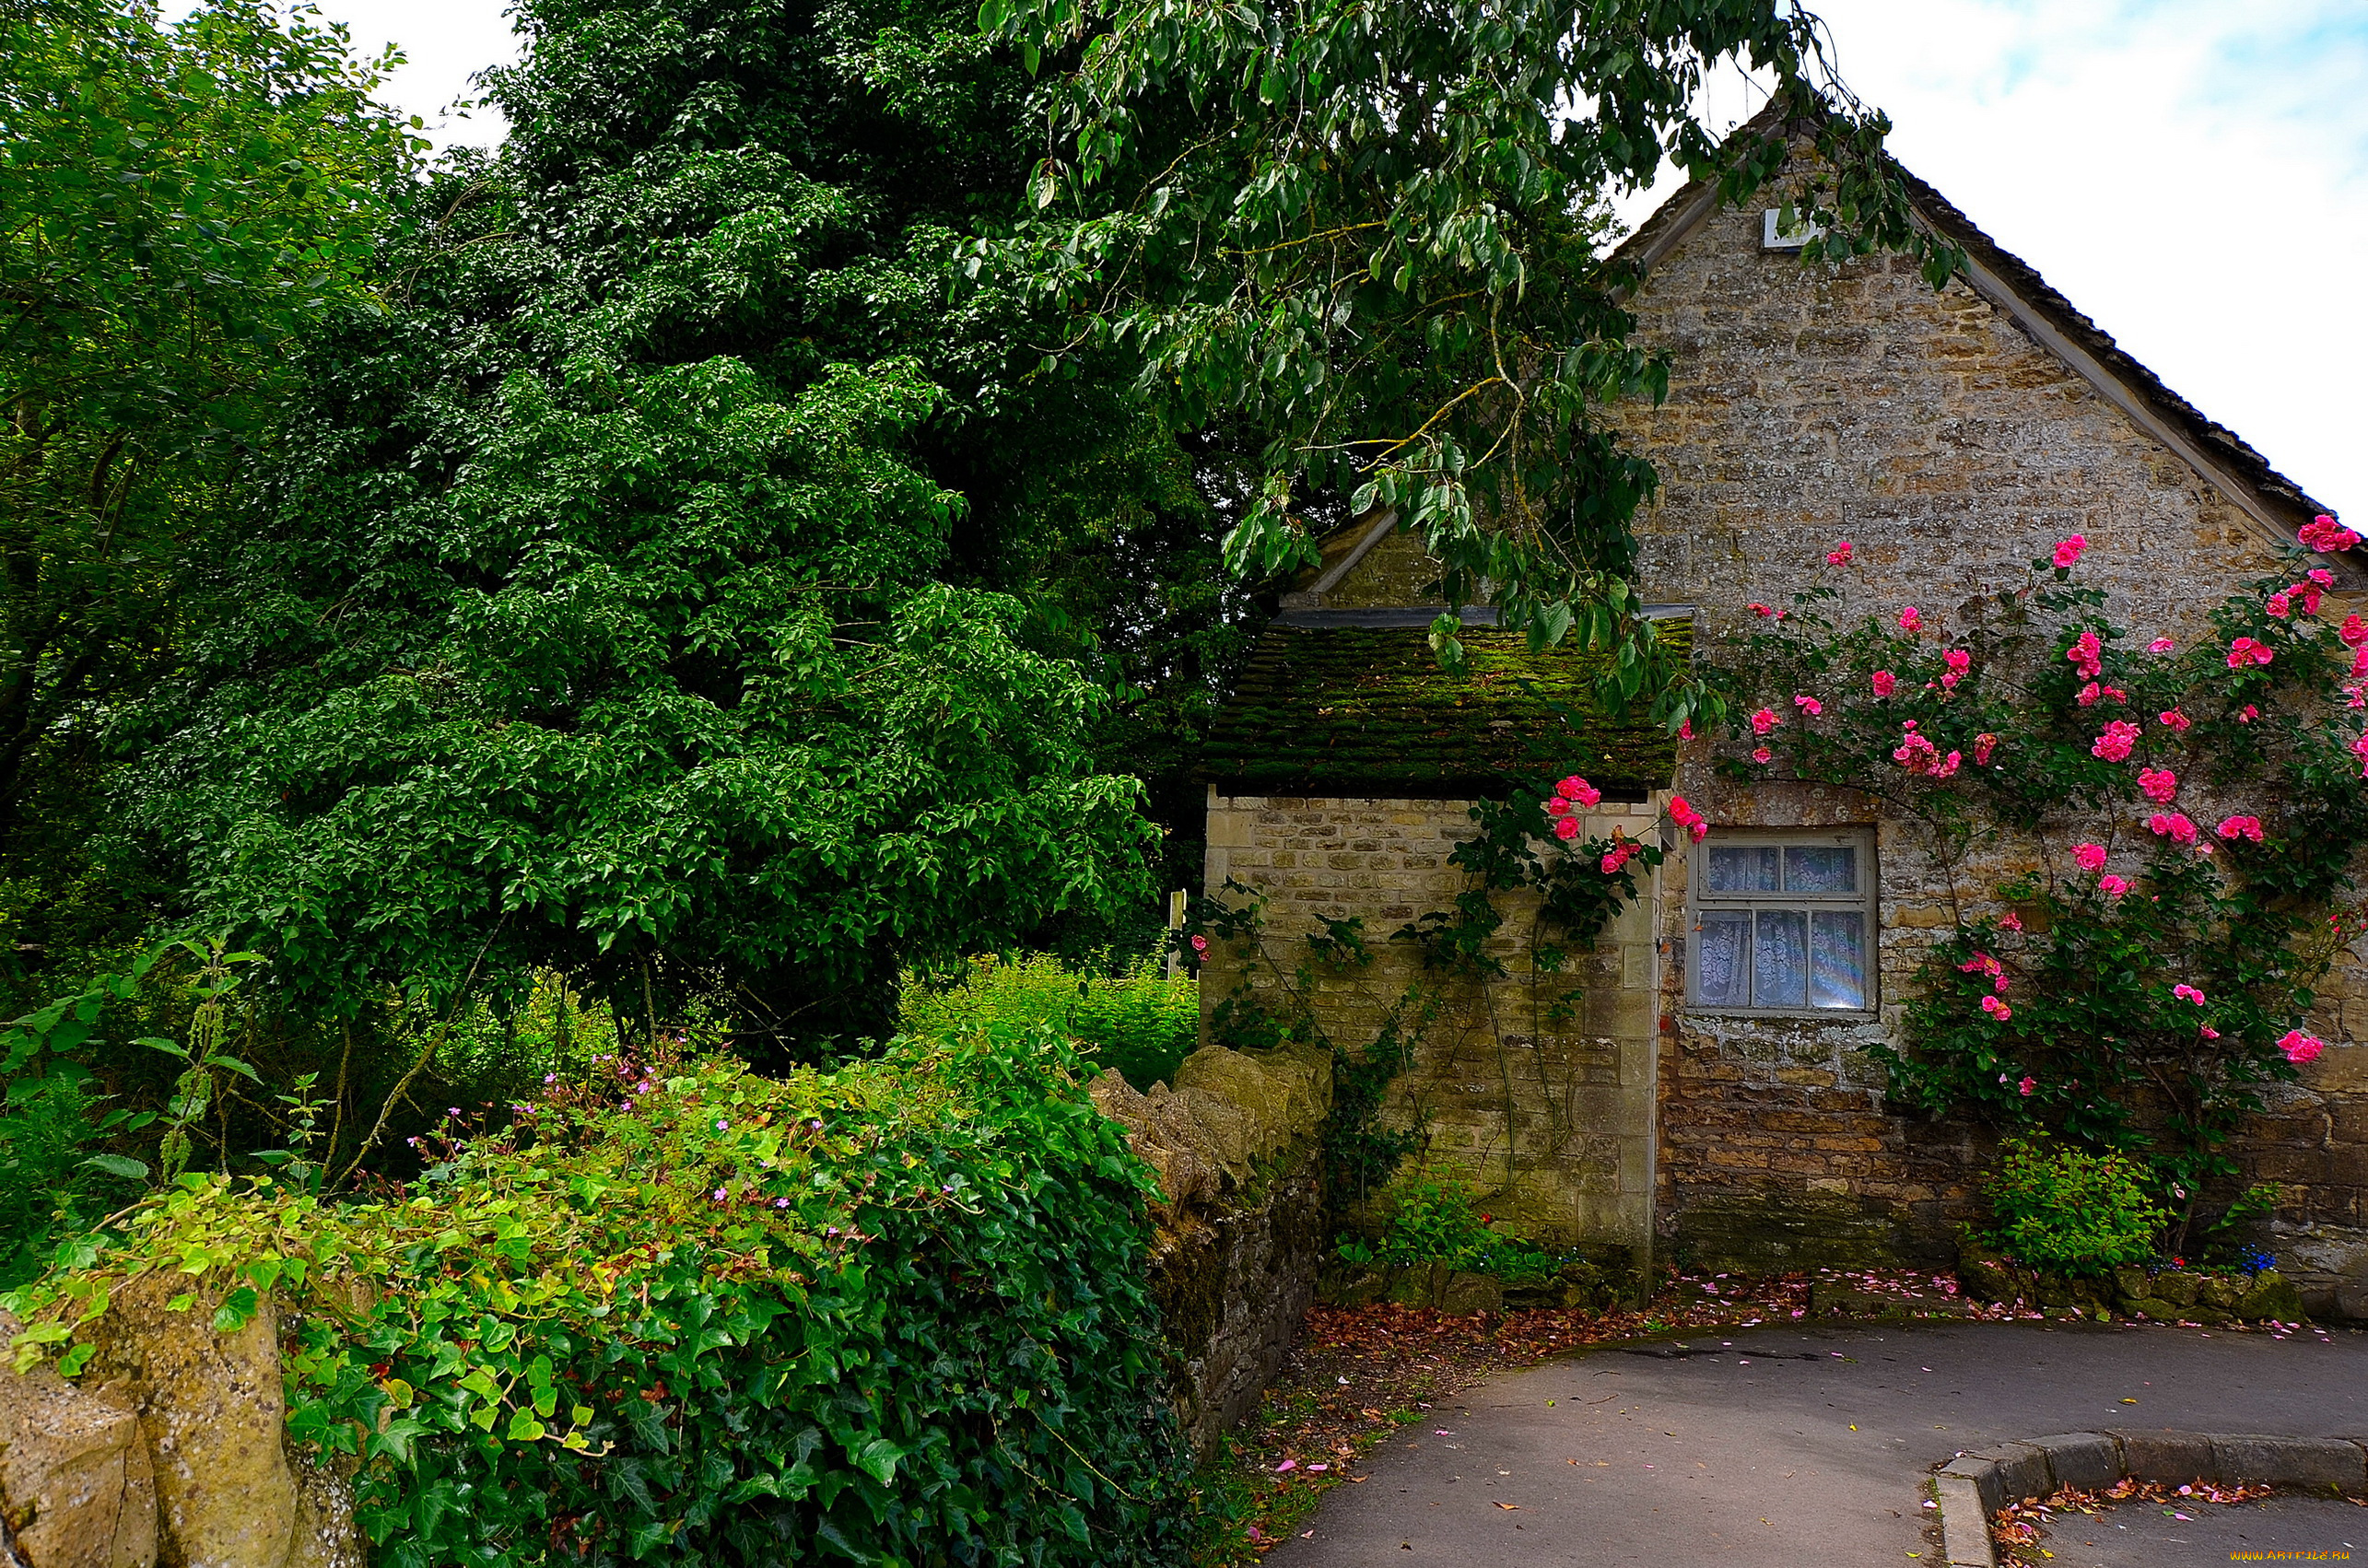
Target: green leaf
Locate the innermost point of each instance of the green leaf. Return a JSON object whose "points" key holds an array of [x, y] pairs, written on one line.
{"points": [[118, 1165]]}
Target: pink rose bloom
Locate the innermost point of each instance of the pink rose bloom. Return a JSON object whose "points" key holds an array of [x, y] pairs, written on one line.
{"points": [[2087, 655], [1885, 683], [2355, 631], [1555, 805], [2011, 920], [1200, 944], [1566, 829], [2301, 1047], [1685, 817], [2069, 553], [2210, 1033], [1764, 720], [2360, 749], [1984, 743], [2276, 605], [1838, 554], [1762, 754], [1765, 611], [1996, 1009], [1686, 729], [2090, 856], [2321, 576], [2162, 645], [2087, 695], [2310, 593], [2249, 715], [1909, 621], [2173, 719], [1578, 790], [2112, 886], [2158, 785], [2245, 652], [2324, 533], [1619, 855], [2028, 1085], [2188, 993], [2115, 743], [2173, 825], [2240, 827], [1959, 659], [1809, 705]]}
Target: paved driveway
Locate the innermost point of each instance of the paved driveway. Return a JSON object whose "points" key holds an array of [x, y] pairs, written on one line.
{"points": [[1790, 1447]]}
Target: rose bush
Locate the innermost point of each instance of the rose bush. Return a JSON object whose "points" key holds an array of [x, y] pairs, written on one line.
{"points": [[2141, 979]]}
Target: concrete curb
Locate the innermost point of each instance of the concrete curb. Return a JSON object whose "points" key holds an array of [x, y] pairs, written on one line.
{"points": [[1975, 1485]]}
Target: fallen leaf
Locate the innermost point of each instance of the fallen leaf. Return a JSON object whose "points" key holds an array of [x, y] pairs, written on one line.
{"points": [[1508, 1508]]}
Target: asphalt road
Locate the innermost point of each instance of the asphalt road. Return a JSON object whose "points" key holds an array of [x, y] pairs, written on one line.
{"points": [[1792, 1447], [2300, 1529]]}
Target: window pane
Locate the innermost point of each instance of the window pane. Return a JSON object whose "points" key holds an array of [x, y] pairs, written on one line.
{"points": [[1780, 959], [1722, 959], [1824, 869], [1742, 870], [1837, 959]]}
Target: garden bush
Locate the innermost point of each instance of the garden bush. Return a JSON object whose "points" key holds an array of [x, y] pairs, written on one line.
{"points": [[896, 1314], [1432, 1220], [1129, 1016], [2061, 1208]]}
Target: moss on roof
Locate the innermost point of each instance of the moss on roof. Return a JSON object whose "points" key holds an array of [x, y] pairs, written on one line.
{"points": [[1368, 711]]}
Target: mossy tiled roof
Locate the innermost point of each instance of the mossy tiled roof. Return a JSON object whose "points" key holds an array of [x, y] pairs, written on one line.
{"points": [[1368, 711]]}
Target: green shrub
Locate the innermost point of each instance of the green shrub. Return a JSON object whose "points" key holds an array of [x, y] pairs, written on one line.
{"points": [[1435, 1222], [896, 1313], [2060, 1208], [1131, 1017]]}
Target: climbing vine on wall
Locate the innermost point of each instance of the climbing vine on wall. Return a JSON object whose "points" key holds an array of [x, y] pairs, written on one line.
{"points": [[1527, 843], [2179, 819]]}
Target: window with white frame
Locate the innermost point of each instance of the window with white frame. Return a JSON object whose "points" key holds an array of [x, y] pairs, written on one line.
{"points": [[1784, 922]]}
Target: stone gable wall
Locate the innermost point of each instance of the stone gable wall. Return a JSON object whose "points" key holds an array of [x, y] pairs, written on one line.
{"points": [[1852, 402]]}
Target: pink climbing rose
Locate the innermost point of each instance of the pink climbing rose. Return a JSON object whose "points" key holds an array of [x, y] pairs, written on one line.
{"points": [[2087, 655], [2162, 645], [2245, 652], [1885, 683], [2249, 715], [2158, 785], [1839, 554], [2171, 719], [1809, 705], [2240, 827], [1996, 1009], [1555, 805], [2277, 605], [1984, 743], [1619, 855], [1201, 944], [1578, 790], [1685, 817], [1910, 620], [2321, 576], [2324, 533], [2112, 886], [1766, 612], [2011, 920], [1764, 720], [2067, 554], [2115, 743], [2173, 826], [2090, 856], [2188, 993], [2028, 1085], [1566, 829], [2301, 1047]]}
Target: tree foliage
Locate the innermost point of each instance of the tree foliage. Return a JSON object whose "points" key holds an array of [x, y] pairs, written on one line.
{"points": [[1370, 234], [647, 595], [180, 203]]}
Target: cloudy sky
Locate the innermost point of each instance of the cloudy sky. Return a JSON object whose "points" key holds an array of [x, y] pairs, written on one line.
{"points": [[2192, 173]]}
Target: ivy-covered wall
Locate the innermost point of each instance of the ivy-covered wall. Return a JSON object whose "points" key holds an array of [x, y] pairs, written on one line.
{"points": [[1548, 1117]]}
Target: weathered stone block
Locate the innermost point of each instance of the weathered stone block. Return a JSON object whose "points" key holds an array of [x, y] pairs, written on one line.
{"points": [[2312, 1463], [2085, 1460], [76, 1482], [2172, 1458]]}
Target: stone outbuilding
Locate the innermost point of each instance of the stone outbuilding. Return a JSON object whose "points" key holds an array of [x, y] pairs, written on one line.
{"points": [[1652, 1093]]}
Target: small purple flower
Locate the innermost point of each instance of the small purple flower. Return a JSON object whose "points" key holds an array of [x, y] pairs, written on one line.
{"points": [[721, 1125], [780, 1202], [453, 1111], [550, 1078], [718, 1195], [832, 1231]]}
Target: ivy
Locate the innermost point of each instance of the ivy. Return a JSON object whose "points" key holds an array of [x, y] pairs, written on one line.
{"points": [[896, 1314]]}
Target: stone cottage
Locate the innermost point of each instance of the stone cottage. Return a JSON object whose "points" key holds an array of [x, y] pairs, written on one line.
{"points": [[1646, 1094]]}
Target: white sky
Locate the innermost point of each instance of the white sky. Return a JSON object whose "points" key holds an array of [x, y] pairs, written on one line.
{"points": [[2192, 174]]}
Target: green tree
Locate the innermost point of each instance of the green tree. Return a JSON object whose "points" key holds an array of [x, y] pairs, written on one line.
{"points": [[178, 201], [647, 595], [1367, 232]]}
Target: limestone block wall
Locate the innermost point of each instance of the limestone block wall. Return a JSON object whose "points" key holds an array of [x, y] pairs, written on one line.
{"points": [[1552, 1119], [1851, 400]]}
